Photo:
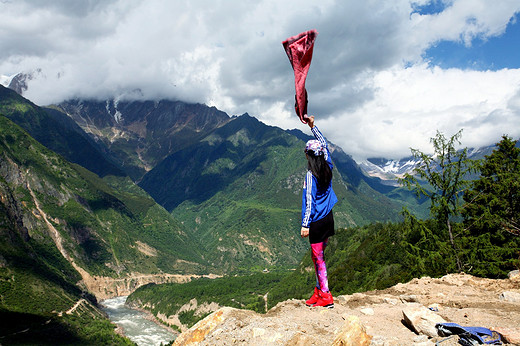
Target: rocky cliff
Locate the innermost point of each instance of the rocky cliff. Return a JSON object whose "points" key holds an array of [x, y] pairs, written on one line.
{"points": [[404, 314], [106, 287], [139, 134]]}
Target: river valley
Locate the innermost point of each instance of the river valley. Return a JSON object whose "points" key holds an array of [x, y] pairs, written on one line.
{"points": [[135, 324]]}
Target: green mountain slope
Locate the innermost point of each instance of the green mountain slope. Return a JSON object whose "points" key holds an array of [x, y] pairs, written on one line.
{"points": [[100, 228], [38, 285], [239, 191], [108, 223]]}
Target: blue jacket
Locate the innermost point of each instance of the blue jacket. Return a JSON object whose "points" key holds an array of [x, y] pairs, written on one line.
{"points": [[316, 204]]}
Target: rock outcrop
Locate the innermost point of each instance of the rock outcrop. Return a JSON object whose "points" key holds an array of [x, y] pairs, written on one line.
{"points": [[372, 318]]}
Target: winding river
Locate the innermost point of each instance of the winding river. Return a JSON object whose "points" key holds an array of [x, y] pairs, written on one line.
{"points": [[135, 324]]}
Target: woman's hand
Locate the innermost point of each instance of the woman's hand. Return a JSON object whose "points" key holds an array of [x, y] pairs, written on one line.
{"points": [[304, 232], [310, 121]]}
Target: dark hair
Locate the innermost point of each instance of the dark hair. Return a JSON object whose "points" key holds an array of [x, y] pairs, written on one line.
{"points": [[320, 169]]}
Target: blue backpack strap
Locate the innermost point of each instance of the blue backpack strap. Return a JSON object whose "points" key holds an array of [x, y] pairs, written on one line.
{"points": [[469, 335]]}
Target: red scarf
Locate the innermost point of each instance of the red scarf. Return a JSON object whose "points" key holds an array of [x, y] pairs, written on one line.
{"points": [[299, 50]]}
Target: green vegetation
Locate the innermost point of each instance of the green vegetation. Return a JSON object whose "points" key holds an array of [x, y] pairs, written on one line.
{"points": [[445, 172], [89, 328], [99, 220], [487, 242], [244, 292], [37, 287], [492, 213]]}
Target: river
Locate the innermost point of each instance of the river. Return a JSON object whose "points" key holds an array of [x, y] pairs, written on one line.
{"points": [[135, 324]]}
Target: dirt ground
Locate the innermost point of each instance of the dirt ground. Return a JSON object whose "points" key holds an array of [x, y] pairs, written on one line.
{"points": [[462, 299], [458, 298]]}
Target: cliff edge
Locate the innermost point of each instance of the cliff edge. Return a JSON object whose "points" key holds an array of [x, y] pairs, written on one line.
{"points": [[404, 314]]}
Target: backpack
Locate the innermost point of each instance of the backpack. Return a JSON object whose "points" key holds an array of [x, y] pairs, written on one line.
{"points": [[469, 335]]}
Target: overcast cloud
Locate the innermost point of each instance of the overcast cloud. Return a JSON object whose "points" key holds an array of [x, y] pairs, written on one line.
{"points": [[370, 85]]}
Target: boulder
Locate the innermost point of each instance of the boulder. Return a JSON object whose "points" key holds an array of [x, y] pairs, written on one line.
{"points": [[409, 298], [422, 320], [198, 332], [509, 296], [514, 275], [509, 335], [352, 333], [367, 311]]}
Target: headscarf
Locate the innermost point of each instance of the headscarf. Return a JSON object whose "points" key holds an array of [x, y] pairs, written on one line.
{"points": [[315, 146]]}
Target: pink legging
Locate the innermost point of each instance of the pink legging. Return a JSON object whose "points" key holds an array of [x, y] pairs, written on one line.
{"points": [[318, 258]]}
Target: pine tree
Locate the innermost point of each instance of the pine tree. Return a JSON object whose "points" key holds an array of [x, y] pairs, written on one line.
{"points": [[492, 212], [445, 173]]}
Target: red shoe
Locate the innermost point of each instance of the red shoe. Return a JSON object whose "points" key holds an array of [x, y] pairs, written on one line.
{"points": [[312, 300], [325, 299]]}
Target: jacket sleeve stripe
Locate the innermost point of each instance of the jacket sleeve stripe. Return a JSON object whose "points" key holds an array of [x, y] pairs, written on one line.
{"points": [[308, 200], [317, 134]]}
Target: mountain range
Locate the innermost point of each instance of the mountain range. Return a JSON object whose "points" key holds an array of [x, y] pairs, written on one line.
{"points": [[232, 181], [99, 197], [390, 170], [232, 184], [139, 135]]}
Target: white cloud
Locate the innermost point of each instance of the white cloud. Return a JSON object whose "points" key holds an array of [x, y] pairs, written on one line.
{"points": [[368, 85], [463, 20], [411, 104]]}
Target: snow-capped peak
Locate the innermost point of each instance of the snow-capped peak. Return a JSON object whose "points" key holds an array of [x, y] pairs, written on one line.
{"points": [[6, 80], [388, 169]]}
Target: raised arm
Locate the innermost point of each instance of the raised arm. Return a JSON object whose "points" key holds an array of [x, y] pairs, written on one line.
{"points": [[316, 132]]}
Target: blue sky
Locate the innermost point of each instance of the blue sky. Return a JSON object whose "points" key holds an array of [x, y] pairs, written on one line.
{"points": [[385, 75], [430, 7], [483, 53], [492, 53]]}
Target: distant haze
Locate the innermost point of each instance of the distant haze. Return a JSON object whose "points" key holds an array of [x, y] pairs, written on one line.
{"points": [[376, 83]]}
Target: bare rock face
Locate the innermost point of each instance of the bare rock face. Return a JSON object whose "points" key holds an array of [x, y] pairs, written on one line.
{"points": [[200, 331], [229, 325], [509, 335], [514, 275], [352, 333], [422, 320], [106, 287], [458, 298], [510, 296]]}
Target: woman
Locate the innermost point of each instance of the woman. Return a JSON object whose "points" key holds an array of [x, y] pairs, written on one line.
{"points": [[317, 219]]}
